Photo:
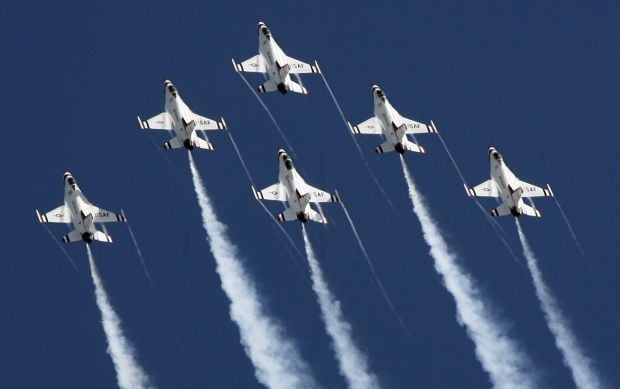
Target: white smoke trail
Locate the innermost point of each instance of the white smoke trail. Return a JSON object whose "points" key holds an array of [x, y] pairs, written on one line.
{"points": [[129, 373], [500, 356], [387, 298], [273, 119], [581, 367], [352, 362], [275, 358], [357, 146]]}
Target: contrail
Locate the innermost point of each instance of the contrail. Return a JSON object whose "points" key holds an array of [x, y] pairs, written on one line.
{"points": [[352, 362], [581, 367], [147, 273], [275, 357], [273, 119], [570, 229], [494, 224], [140, 256], [69, 258], [499, 354], [357, 146], [129, 373], [373, 272]]}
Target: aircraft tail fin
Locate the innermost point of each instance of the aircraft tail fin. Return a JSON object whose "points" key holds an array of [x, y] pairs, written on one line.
{"points": [[284, 70]]}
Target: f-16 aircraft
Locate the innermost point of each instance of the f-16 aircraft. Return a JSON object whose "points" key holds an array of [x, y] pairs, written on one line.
{"points": [[272, 61], [294, 190], [178, 117], [505, 185], [389, 122], [82, 214]]}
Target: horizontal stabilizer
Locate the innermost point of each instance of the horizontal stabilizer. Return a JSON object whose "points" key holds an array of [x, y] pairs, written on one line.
{"points": [[202, 144], [287, 216], [530, 211], [174, 143], [73, 236]]}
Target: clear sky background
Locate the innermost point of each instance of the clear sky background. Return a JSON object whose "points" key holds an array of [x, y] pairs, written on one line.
{"points": [[538, 81]]}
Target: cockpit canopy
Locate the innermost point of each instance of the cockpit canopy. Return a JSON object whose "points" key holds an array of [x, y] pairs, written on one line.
{"points": [[288, 162], [497, 156], [380, 94], [173, 90], [71, 181]]}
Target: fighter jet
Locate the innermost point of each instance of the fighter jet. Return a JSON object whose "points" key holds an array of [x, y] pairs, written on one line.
{"points": [[81, 213], [505, 185], [272, 61], [178, 117], [389, 122], [294, 190]]}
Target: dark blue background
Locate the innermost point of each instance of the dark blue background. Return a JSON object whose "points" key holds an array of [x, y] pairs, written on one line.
{"points": [[537, 80]]}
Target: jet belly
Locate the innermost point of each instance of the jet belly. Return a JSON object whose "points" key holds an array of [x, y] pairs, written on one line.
{"points": [[386, 115], [506, 183]]}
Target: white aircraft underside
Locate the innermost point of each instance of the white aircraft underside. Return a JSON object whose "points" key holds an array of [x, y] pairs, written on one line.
{"points": [[80, 212], [271, 60], [179, 118], [506, 186], [389, 123], [292, 188]]}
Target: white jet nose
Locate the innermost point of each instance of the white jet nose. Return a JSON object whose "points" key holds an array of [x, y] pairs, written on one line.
{"points": [[374, 87], [281, 151]]}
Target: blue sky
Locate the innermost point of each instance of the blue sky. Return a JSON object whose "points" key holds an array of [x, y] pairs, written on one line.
{"points": [[537, 81]]}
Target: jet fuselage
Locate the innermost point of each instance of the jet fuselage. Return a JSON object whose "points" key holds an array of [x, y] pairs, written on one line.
{"points": [[274, 57], [507, 183], [295, 186], [182, 118], [390, 119], [78, 205]]}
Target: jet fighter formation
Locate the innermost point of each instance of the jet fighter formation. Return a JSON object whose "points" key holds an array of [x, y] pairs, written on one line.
{"points": [[80, 212], [272, 61], [388, 122], [506, 186], [292, 188], [179, 118]]}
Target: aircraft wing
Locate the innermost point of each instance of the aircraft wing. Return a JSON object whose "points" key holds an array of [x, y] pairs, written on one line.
{"points": [[319, 196], [255, 64], [276, 191], [160, 121], [486, 189], [100, 215], [57, 215], [530, 190], [299, 67], [370, 126], [204, 123], [414, 127]]}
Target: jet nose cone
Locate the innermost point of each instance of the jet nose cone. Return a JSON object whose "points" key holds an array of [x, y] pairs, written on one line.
{"points": [[167, 82], [491, 149], [374, 87], [67, 174], [260, 23], [281, 151]]}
